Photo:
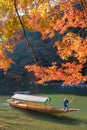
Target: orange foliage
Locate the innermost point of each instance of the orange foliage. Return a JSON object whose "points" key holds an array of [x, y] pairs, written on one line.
{"points": [[72, 73], [47, 18], [72, 45], [69, 73], [5, 62]]}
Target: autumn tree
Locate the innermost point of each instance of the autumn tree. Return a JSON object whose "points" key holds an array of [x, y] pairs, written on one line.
{"points": [[47, 16]]}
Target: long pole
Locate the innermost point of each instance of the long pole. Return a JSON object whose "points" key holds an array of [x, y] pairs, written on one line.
{"points": [[72, 99]]}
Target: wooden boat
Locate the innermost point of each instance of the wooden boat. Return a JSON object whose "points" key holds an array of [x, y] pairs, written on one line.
{"points": [[28, 102]]}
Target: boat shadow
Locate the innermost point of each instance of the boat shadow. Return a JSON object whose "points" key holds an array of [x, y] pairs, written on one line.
{"points": [[61, 118]]}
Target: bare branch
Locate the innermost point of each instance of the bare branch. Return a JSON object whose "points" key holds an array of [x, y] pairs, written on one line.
{"points": [[24, 31]]}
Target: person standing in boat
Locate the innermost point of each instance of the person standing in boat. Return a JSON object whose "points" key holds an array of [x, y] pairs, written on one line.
{"points": [[66, 103]]}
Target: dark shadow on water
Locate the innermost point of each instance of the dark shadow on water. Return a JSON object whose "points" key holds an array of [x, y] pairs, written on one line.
{"points": [[62, 119]]}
